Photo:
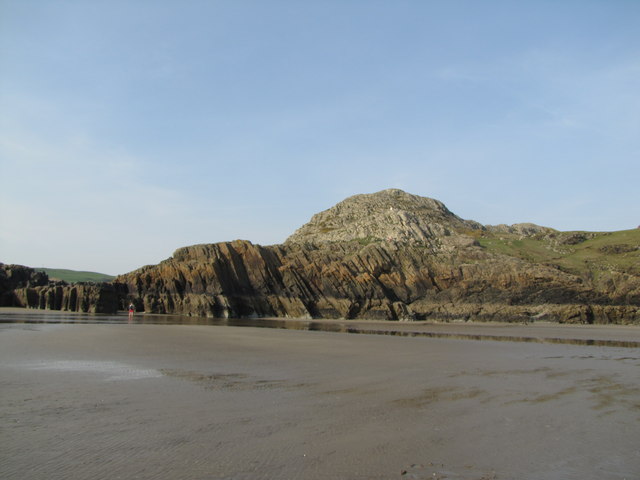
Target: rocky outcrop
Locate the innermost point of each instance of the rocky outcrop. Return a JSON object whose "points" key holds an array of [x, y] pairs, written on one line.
{"points": [[79, 297], [524, 229], [391, 215], [377, 281], [22, 286], [13, 277], [389, 255]]}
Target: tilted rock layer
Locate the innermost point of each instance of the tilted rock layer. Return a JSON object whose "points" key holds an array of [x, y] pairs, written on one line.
{"points": [[388, 255], [22, 286]]}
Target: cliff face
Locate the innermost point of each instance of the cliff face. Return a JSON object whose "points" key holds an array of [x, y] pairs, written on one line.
{"points": [[18, 276], [22, 286], [79, 297], [388, 255]]}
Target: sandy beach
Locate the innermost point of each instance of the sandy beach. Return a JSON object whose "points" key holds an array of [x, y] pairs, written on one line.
{"points": [[148, 401]]}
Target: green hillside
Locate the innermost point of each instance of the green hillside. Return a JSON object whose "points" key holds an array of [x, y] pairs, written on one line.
{"points": [[72, 276], [587, 254]]}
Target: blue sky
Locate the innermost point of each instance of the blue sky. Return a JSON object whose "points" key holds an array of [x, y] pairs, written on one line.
{"points": [[131, 128]]}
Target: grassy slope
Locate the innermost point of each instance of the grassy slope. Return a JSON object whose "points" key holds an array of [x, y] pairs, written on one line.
{"points": [[587, 254], [75, 276]]}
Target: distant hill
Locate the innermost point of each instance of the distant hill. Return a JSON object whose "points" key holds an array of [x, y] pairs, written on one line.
{"points": [[72, 276]]}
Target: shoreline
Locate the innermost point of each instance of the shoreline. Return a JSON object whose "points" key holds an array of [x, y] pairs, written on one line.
{"points": [[542, 331], [40, 311]]}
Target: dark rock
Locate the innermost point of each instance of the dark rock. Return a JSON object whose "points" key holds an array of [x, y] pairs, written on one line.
{"points": [[22, 286], [13, 277], [618, 249]]}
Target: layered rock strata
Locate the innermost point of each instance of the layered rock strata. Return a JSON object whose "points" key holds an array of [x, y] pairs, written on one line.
{"points": [[22, 286], [388, 255]]}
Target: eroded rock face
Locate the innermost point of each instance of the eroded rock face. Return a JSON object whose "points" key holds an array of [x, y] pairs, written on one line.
{"points": [[22, 286], [389, 255], [391, 215], [79, 297], [18, 276], [378, 280], [14, 277]]}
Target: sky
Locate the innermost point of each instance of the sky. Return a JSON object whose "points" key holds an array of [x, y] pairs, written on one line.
{"points": [[131, 128]]}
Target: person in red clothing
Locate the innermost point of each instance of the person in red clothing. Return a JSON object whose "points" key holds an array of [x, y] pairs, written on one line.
{"points": [[131, 310]]}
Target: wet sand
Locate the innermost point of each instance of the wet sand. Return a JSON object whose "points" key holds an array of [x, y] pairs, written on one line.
{"points": [[144, 401]]}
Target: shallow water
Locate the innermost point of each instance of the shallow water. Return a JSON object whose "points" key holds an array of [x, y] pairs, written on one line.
{"points": [[389, 328]]}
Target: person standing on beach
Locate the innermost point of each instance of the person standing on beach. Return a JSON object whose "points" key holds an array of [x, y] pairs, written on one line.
{"points": [[131, 310]]}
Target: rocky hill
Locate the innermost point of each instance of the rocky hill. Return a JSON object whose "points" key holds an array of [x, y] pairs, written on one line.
{"points": [[388, 255], [391, 216], [392, 255]]}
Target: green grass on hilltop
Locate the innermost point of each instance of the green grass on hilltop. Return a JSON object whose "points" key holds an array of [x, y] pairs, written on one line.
{"points": [[575, 252], [72, 276]]}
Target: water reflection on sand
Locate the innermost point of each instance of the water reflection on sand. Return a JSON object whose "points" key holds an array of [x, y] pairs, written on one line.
{"points": [[561, 334]]}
